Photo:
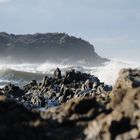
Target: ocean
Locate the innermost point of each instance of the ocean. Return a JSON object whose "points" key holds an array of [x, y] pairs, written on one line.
{"points": [[21, 74]]}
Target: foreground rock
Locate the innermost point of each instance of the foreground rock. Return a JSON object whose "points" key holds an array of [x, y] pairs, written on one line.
{"points": [[16, 122], [85, 117], [123, 123]]}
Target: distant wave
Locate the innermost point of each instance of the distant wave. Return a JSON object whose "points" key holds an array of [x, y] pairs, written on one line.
{"points": [[20, 74], [18, 77]]}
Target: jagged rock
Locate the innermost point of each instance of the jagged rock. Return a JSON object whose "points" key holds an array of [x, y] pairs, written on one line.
{"points": [[119, 119], [68, 94], [29, 86], [36, 101], [57, 73], [73, 84], [47, 81], [75, 76], [78, 117], [13, 90], [88, 84]]}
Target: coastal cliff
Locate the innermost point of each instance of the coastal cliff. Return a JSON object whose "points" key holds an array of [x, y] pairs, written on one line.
{"points": [[52, 47]]}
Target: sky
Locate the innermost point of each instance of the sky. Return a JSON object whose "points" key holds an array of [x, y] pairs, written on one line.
{"points": [[112, 26]]}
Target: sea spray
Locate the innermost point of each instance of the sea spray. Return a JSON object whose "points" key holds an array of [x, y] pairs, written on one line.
{"points": [[25, 72], [110, 71]]}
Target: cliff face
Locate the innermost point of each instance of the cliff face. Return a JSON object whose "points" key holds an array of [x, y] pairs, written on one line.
{"points": [[54, 47]]}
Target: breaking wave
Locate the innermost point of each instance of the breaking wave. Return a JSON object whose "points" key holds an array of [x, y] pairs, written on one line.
{"points": [[20, 74]]}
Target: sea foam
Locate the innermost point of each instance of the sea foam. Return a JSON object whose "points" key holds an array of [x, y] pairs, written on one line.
{"points": [[26, 72]]}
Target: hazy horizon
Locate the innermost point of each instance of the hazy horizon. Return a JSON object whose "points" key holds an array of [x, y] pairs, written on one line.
{"points": [[111, 26]]}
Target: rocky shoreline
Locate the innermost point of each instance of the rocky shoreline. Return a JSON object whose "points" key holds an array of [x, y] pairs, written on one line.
{"points": [[75, 106]]}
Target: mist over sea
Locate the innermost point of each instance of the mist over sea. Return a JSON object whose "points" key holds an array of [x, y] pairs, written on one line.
{"points": [[21, 74]]}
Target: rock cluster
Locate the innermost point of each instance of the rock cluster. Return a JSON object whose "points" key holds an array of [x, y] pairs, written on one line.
{"points": [[53, 91], [86, 116]]}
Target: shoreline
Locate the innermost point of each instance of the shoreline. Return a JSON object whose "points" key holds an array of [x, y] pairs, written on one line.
{"points": [[57, 89], [93, 115]]}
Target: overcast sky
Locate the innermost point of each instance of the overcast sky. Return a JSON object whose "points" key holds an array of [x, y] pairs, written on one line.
{"points": [[112, 26]]}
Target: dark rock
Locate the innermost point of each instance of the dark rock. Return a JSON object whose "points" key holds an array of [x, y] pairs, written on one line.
{"points": [[1, 92], [29, 86], [114, 121], [12, 90], [77, 118], [72, 76], [33, 83], [36, 101], [68, 94], [64, 88], [57, 73], [74, 110], [16, 122], [88, 84], [47, 81]]}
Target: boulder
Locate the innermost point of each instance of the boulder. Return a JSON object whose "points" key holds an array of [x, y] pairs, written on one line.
{"points": [[123, 122], [16, 122]]}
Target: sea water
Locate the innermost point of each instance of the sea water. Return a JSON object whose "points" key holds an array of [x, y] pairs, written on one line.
{"points": [[21, 74]]}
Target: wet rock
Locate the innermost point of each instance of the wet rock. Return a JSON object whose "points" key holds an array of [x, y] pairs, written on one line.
{"points": [[90, 118], [35, 100], [68, 94], [29, 86], [63, 88], [47, 81], [118, 119], [12, 90], [72, 76], [88, 84], [57, 73], [56, 88]]}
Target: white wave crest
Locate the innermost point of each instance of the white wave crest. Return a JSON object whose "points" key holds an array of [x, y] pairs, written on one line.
{"points": [[107, 73]]}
